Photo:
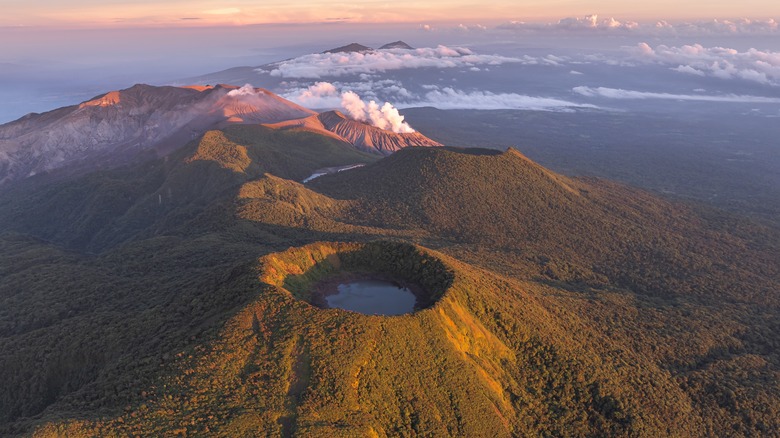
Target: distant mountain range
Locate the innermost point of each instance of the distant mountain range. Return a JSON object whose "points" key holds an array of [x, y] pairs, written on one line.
{"points": [[349, 48], [121, 126], [357, 47]]}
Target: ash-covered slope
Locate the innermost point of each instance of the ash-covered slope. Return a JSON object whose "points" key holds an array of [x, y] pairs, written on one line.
{"points": [[118, 126], [362, 135]]}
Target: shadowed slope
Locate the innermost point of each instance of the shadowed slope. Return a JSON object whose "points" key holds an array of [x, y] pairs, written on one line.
{"points": [[104, 208]]}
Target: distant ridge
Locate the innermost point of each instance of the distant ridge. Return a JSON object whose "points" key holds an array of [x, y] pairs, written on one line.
{"points": [[397, 45], [358, 48], [350, 48]]}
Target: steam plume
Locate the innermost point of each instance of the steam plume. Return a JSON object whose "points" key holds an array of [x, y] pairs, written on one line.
{"points": [[385, 117], [246, 90]]}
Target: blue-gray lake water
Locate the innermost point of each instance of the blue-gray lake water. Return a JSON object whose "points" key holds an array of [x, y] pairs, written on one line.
{"points": [[373, 297]]}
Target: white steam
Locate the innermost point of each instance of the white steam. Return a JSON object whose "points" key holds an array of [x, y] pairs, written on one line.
{"points": [[246, 90], [385, 117]]}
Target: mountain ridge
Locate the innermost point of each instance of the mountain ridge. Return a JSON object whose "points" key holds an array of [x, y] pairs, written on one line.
{"points": [[350, 48], [118, 125], [396, 45], [360, 48]]}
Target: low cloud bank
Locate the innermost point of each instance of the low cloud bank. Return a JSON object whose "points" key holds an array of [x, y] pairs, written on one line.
{"points": [[320, 65], [450, 98], [720, 62], [617, 93], [345, 96], [595, 24]]}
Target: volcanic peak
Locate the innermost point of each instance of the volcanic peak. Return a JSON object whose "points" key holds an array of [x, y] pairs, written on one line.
{"points": [[350, 48], [396, 45], [360, 134], [360, 48], [119, 126]]}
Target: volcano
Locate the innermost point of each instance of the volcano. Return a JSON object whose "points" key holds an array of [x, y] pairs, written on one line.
{"points": [[119, 126], [362, 135]]}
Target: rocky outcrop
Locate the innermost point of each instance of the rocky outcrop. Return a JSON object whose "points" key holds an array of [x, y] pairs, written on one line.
{"points": [[361, 135]]}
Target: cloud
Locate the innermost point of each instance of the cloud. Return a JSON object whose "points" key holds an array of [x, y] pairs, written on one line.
{"points": [[223, 11], [687, 69], [450, 98], [573, 24], [470, 28], [359, 100], [328, 94], [319, 95], [720, 62], [742, 26], [617, 93], [246, 90], [316, 66], [385, 117], [592, 23]]}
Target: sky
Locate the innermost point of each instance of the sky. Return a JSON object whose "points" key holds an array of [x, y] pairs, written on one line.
{"points": [[83, 13], [55, 53]]}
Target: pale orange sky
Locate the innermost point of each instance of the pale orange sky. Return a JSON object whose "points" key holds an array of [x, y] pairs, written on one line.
{"points": [[241, 12]]}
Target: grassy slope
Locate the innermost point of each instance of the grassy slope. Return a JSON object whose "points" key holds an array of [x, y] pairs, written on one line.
{"points": [[103, 209], [692, 157], [579, 308]]}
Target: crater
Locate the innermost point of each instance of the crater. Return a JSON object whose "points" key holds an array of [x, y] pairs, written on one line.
{"points": [[376, 278], [369, 296], [474, 151]]}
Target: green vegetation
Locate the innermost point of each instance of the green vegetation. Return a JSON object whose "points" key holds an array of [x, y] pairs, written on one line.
{"points": [[729, 162], [162, 299], [398, 262]]}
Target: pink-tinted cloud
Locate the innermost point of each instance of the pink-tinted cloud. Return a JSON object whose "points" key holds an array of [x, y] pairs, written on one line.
{"points": [[720, 62], [384, 117], [593, 23]]}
